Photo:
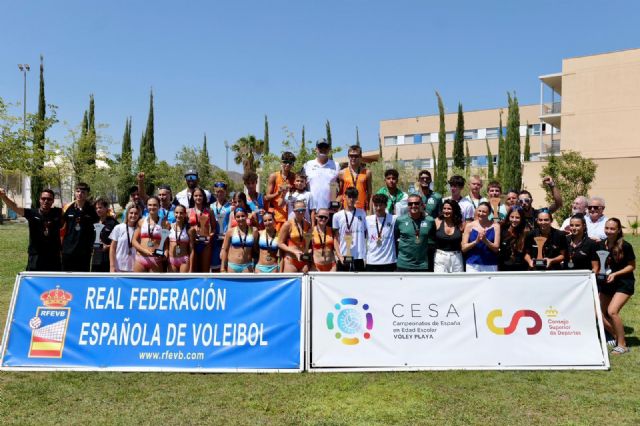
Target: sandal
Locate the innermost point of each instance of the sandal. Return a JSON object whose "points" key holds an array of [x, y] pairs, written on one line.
{"points": [[612, 343], [619, 350]]}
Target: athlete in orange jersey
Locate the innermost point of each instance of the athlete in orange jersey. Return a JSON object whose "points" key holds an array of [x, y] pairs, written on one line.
{"points": [[292, 242], [356, 176], [324, 258], [278, 187]]}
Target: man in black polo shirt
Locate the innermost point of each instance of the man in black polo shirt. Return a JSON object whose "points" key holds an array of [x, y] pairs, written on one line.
{"points": [[44, 231], [77, 243]]}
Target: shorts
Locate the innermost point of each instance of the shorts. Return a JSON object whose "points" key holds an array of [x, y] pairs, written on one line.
{"points": [[324, 267], [448, 261], [268, 269], [474, 267], [624, 285], [239, 267], [215, 255], [179, 261], [389, 267], [48, 262], [149, 262]]}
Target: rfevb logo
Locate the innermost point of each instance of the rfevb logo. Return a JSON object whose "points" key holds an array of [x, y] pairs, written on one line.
{"points": [[349, 322]]}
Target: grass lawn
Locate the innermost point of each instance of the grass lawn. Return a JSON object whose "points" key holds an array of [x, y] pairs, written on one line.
{"points": [[570, 397]]}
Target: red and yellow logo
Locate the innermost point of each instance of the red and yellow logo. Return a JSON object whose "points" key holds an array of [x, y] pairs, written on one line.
{"points": [[515, 318], [49, 326]]}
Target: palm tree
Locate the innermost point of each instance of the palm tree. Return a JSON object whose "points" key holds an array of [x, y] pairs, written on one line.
{"points": [[248, 151]]}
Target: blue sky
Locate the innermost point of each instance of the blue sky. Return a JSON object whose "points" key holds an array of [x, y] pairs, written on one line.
{"points": [[218, 67]]}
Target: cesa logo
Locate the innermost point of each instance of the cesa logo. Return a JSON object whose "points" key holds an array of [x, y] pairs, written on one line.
{"points": [[349, 322], [515, 318]]}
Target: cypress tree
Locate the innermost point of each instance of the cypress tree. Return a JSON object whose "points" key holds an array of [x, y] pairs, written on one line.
{"points": [[512, 176], [303, 139], [303, 146], [458, 144], [147, 156], [85, 125], [328, 126], [37, 184], [149, 132], [442, 167], [266, 135], [500, 150], [125, 177], [380, 147], [489, 161], [434, 161], [91, 134], [357, 136], [527, 146], [204, 164], [467, 160]]}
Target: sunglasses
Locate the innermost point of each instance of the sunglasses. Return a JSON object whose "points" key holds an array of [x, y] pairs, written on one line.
{"points": [[300, 210], [594, 207], [354, 156], [289, 162], [414, 203], [49, 199], [524, 200], [219, 185], [322, 217], [191, 178]]}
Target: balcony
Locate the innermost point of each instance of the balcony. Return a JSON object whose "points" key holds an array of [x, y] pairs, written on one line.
{"points": [[551, 113]]}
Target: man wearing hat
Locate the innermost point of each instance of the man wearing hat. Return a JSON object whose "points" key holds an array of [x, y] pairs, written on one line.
{"points": [[321, 173], [184, 197]]}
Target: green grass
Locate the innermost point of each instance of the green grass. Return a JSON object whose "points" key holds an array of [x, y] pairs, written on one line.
{"points": [[459, 397]]}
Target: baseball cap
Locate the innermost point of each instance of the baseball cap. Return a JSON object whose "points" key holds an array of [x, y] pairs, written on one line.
{"points": [[191, 172], [321, 142]]}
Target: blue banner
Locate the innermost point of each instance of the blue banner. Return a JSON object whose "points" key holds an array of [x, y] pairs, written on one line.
{"points": [[155, 322]]}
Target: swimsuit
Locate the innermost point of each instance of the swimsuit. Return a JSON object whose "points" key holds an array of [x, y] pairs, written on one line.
{"points": [[267, 269], [239, 267], [297, 240], [318, 246]]}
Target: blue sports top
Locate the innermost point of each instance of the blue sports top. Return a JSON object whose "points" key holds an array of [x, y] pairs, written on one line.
{"points": [[480, 254], [247, 241], [262, 242]]}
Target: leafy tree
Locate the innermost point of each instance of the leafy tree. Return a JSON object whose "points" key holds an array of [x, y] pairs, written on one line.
{"points": [[489, 161], [248, 151], [512, 176], [37, 184], [266, 135], [500, 150], [440, 179], [458, 144], [527, 146], [573, 176], [190, 158]]}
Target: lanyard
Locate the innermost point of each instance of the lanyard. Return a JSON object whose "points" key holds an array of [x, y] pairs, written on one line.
{"points": [[266, 237], [381, 227], [300, 231], [416, 229], [175, 230], [320, 235], [243, 242], [346, 218], [129, 236]]}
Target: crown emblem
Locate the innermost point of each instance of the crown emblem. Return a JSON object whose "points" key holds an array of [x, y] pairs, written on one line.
{"points": [[551, 312], [56, 298]]}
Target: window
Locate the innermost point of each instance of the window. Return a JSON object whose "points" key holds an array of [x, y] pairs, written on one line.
{"points": [[390, 140], [480, 161], [492, 133], [534, 129], [433, 138], [470, 134], [425, 163], [416, 138], [450, 136]]}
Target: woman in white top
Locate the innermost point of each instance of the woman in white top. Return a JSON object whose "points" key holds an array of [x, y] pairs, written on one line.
{"points": [[122, 255]]}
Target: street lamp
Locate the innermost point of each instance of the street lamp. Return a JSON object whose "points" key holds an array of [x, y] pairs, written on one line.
{"points": [[24, 68]]}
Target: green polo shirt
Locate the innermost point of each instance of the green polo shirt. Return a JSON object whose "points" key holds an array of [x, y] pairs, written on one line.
{"points": [[392, 200], [412, 253]]}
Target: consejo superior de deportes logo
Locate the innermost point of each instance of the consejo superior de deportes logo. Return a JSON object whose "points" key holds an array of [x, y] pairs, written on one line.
{"points": [[515, 318], [350, 322]]}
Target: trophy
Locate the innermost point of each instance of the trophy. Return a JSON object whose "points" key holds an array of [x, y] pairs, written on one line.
{"points": [[98, 227], [348, 239], [204, 228], [306, 257], [495, 208], [603, 271], [539, 262], [333, 192], [163, 237]]}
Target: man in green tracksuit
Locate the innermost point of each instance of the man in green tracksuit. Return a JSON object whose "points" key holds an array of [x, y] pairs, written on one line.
{"points": [[412, 232]]}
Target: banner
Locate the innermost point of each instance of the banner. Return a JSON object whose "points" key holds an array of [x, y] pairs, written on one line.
{"points": [[504, 320], [155, 322]]}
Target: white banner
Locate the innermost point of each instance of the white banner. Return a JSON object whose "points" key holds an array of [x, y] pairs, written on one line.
{"points": [[527, 320]]}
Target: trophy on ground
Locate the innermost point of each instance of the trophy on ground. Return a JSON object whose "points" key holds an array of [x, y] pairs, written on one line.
{"points": [[203, 232], [348, 258], [495, 208], [98, 227], [603, 271], [164, 234], [306, 257], [540, 262], [333, 192]]}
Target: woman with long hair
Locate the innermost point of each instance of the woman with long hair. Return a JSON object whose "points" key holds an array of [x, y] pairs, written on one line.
{"points": [[182, 241], [147, 239], [122, 254], [481, 241], [448, 239], [239, 245], [268, 259], [203, 221], [100, 259], [581, 250], [618, 286], [240, 200], [292, 242], [554, 247], [514, 232], [324, 257]]}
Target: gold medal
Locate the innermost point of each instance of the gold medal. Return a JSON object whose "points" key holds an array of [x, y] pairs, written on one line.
{"points": [[379, 242], [77, 227]]}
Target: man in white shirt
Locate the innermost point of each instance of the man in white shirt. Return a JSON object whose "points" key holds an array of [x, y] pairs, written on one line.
{"points": [[321, 172], [381, 244], [456, 183], [184, 197], [350, 224], [579, 205], [596, 219], [475, 186]]}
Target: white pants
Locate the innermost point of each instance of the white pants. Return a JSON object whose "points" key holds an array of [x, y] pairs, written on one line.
{"points": [[448, 261], [474, 267]]}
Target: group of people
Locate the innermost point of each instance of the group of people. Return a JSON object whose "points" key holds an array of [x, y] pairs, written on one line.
{"points": [[323, 218]]}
